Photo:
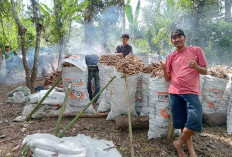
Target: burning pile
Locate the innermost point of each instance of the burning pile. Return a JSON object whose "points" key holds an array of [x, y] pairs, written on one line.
{"points": [[154, 70], [50, 80], [220, 71]]}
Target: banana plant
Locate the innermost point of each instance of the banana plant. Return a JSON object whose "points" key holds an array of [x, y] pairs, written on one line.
{"points": [[132, 19]]}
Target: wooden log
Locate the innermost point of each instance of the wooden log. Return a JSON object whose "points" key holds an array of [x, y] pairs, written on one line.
{"points": [[141, 122], [214, 119], [170, 133], [71, 115]]}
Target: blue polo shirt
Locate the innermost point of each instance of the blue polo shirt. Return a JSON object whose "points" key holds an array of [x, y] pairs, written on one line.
{"points": [[91, 60]]}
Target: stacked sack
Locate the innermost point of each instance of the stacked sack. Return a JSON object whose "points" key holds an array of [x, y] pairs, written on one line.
{"points": [[119, 96], [105, 73], [215, 95], [159, 110], [151, 70], [216, 90], [131, 68], [229, 110], [74, 71]]}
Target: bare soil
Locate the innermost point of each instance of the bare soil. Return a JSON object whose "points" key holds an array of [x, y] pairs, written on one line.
{"points": [[213, 142]]}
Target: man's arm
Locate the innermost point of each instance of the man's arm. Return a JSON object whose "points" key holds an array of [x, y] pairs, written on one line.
{"points": [[166, 74], [118, 51], [200, 69]]}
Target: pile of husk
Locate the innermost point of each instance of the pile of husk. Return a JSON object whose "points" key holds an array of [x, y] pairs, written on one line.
{"points": [[131, 65], [220, 71], [110, 60], [50, 80], [67, 65], [153, 69]]}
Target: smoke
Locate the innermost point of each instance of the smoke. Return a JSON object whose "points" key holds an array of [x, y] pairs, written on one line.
{"points": [[100, 36], [103, 34], [204, 24], [13, 72]]}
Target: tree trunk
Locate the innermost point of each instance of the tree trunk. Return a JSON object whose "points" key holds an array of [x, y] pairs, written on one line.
{"points": [[228, 10], [60, 50], [37, 46], [197, 11], [57, 10], [88, 24], [123, 15], [21, 32]]}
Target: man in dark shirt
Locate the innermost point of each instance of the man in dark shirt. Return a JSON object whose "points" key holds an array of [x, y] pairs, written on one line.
{"points": [[124, 49], [93, 72]]}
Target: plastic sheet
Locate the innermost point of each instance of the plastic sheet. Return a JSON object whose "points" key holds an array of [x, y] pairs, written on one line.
{"points": [[48, 145]]}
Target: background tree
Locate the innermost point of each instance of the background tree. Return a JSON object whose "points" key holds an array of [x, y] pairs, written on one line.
{"points": [[8, 30], [228, 4], [59, 20], [30, 75]]}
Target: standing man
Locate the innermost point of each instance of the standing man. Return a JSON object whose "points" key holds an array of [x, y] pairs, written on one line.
{"points": [[124, 49], [93, 72], [182, 69], [9, 56]]}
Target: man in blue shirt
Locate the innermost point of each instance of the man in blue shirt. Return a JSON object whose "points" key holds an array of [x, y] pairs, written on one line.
{"points": [[93, 72]]}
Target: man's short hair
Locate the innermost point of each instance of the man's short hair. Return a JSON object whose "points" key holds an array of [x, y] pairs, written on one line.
{"points": [[7, 46], [177, 32], [126, 36]]}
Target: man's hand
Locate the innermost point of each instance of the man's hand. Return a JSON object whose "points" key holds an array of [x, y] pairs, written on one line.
{"points": [[120, 54], [163, 66], [129, 56], [193, 64]]}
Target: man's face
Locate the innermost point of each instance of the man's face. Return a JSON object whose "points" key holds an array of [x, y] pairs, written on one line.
{"points": [[7, 49], [178, 40], [125, 41]]}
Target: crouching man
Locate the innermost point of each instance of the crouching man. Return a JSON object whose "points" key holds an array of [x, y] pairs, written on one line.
{"points": [[183, 68], [93, 72]]}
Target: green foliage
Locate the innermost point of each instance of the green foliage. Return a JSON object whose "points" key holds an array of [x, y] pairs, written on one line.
{"points": [[8, 29], [142, 45], [129, 14], [60, 17], [185, 4], [128, 9]]}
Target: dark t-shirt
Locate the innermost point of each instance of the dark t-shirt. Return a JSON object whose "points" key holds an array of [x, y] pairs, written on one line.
{"points": [[125, 50]]}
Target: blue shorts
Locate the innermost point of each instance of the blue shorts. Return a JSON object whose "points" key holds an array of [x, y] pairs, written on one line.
{"points": [[186, 111]]}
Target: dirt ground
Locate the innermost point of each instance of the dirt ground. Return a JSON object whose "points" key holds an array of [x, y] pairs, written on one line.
{"points": [[213, 142]]}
